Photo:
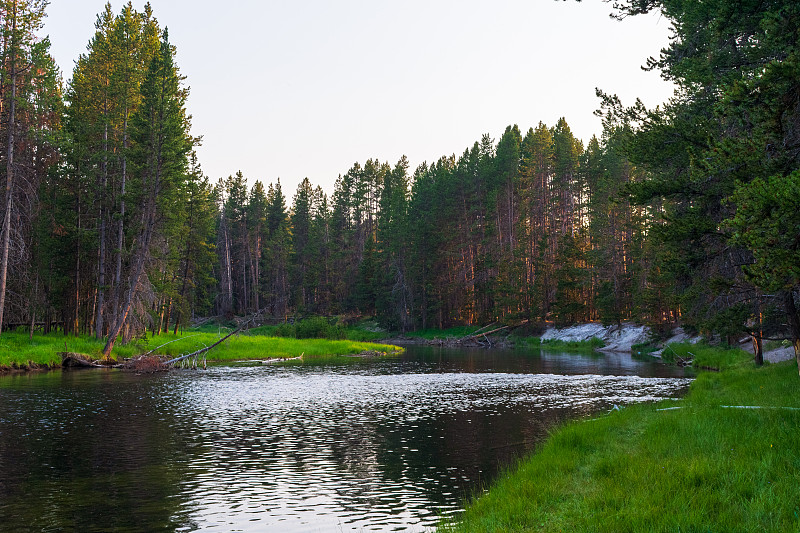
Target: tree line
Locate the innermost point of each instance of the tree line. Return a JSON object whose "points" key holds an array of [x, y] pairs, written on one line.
{"points": [[686, 213]]}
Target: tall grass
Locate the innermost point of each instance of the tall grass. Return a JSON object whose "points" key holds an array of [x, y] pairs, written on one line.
{"points": [[243, 347], [586, 346], [704, 467], [17, 350], [704, 356]]}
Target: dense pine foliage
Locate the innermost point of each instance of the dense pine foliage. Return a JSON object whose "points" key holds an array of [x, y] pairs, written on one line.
{"points": [[686, 213]]}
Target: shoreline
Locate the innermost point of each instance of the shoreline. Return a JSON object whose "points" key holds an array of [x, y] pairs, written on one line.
{"points": [[720, 459], [47, 352]]}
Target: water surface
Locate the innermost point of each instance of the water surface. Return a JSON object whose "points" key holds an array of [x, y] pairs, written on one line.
{"points": [[388, 445]]}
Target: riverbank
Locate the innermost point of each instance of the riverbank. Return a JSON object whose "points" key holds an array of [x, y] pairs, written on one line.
{"points": [[723, 459], [20, 353]]}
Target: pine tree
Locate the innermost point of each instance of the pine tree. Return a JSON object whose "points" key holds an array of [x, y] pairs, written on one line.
{"points": [[195, 243], [257, 229], [161, 146], [235, 212], [104, 93], [394, 298], [536, 169], [276, 254], [732, 122], [301, 259]]}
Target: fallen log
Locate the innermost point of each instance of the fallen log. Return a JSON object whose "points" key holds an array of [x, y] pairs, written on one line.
{"points": [[476, 332], [170, 342], [77, 360], [480, 333], [483, 334]]}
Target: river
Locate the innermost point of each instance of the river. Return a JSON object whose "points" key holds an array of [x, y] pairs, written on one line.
{"points": [[385, 445]]}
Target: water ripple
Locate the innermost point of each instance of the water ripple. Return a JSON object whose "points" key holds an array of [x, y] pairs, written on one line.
{"points": [[392, 446]]}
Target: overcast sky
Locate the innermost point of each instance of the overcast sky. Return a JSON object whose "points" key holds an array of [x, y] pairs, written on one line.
{"points": [[305, 88]]}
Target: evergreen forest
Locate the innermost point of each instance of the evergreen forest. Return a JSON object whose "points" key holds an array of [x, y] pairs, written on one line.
{"points": [[688, 213]]}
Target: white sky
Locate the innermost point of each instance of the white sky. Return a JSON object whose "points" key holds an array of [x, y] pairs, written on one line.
{"points": [[305, 88]]}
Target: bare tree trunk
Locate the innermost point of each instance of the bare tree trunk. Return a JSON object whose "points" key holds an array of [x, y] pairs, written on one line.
{"points": [[167, 317], [101, 277], [121, 224], [9, 169]]}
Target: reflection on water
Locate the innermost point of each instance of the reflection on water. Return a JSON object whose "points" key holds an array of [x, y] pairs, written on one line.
{"points": [[382, 446]]}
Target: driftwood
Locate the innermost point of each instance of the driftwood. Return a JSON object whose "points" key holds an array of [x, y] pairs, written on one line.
{"points": [[144, 364], [77, 360]]}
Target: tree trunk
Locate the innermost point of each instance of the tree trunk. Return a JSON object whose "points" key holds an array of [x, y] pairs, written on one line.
{"points": [[9, 168], [121, 223], [794, 323], [136, 274], [101, 277]]}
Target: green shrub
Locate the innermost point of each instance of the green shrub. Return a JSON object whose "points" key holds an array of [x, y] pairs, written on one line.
{"points": [[644, 348], [313, 328], [704, 356], [285, 330], [573, 346]]}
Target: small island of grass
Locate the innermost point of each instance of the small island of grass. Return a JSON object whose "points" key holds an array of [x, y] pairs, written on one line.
{"points": [[25, 352]]}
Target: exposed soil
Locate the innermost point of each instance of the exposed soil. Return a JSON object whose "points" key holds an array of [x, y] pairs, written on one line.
{"points": [[29, 367]]}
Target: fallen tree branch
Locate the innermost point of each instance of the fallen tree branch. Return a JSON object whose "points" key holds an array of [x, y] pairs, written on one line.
{"points": [[170, 342], [484, 334], [223, 339], [476, 332]]}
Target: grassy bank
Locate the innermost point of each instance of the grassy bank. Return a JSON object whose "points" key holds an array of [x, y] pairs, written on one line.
{"points": [[243, 347], [703, 467], [587, 346], [18, 351], [704, 356], [518, 341]]}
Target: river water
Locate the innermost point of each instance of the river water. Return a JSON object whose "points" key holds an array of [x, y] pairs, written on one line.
{"points": [[389, 445]]}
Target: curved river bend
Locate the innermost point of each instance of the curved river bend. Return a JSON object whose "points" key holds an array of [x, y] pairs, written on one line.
{"points": [[389, 445]]}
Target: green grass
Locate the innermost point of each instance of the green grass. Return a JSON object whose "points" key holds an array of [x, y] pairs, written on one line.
{"points": [[16, 350], [244, 347], [774, 345], [322, 328], [705, 356], [644, 348], [701, 468], [587, 346]]}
